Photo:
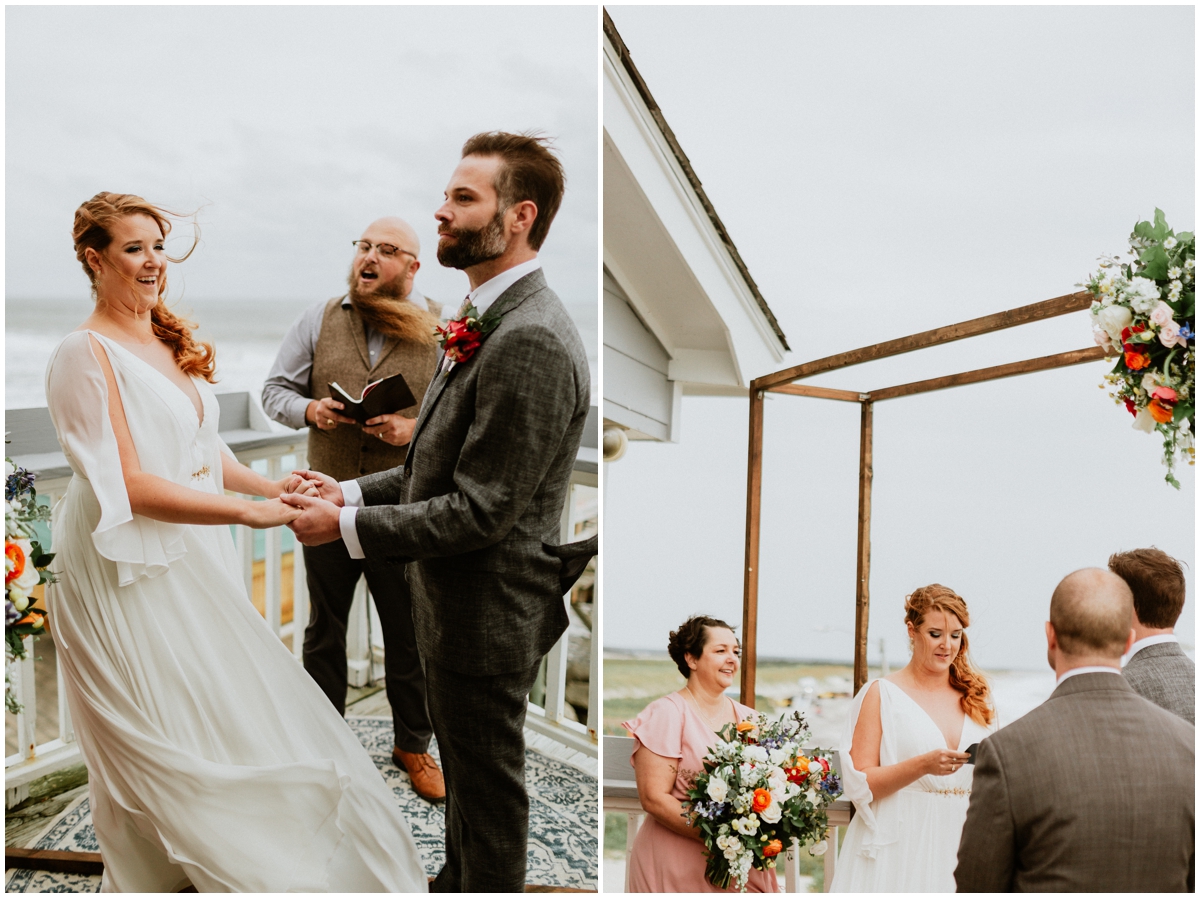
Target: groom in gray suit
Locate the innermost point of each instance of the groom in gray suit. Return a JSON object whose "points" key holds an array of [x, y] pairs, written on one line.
{"points": [[1094, 790], [475, 510], [1157, 668]]}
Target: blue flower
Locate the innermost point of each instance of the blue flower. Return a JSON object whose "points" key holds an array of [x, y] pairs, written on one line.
{"points": [[831, 784], [1185, 331], [19, 482]]}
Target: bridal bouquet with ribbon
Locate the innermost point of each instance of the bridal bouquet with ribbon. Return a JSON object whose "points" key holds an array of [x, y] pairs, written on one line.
{"points": [[1144, 311], [758, 791], [25, 567]]}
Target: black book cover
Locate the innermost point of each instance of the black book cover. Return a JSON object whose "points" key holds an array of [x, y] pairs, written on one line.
{"points": [[383, 397]]}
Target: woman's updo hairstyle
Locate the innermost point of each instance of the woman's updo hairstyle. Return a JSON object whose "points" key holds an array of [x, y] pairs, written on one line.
{"points": [[93, 230], [964, 677], [690, 639]]}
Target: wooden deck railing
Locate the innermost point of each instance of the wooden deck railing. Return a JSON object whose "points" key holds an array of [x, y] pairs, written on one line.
{"points": [[274, 577], [621, 797]]}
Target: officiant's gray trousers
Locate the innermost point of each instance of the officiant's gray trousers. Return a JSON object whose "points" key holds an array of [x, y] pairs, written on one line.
{"points": [[480, 728], [332, 575]]}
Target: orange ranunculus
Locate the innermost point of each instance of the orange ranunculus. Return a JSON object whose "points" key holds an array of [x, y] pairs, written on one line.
{"points": [[16, 555], [762, 800], [746, 726], [772, 848], [1161, 413], [1136, 361]]}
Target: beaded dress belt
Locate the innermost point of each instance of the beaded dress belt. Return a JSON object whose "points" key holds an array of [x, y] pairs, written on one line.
{"points": [[946, 791], [202, 473]]}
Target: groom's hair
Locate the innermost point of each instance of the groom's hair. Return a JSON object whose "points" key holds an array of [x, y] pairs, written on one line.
{"points": [[528, 171], [1156, 580], [1092, 612]]}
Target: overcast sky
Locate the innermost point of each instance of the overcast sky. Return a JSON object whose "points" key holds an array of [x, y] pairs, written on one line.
{"points": [[289, 128], [883, 171]]}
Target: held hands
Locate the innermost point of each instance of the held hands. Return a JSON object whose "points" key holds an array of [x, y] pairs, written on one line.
{"points": [[314, 483], [317, 520], [271, 513], [325, 413], [943, 761], [395, 430], [295, 483]]}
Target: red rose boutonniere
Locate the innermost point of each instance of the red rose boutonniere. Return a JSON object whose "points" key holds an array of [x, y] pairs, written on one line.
{"points": [[460, 337]]}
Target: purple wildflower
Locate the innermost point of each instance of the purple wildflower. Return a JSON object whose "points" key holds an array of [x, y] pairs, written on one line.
{"points": [[11, 614], [18, 483]]}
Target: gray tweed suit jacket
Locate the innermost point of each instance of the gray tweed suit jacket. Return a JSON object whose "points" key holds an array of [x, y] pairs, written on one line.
{"points": [[475, 511], [1092, 791], [1166, 676]]}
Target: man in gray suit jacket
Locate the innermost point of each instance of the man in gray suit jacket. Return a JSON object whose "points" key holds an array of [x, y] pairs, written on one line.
{"points": [[1156, 666], [475, 510], [1094, 790]]}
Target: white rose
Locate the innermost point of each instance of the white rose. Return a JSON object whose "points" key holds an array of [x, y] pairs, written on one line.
{"points": [[1114, 319], [818, 848], [1144, 422], [1142, 294], [815, 767], [778, 756], [776, 777], [1149, 380], [757, 753], [771, 813], [718, 789]]}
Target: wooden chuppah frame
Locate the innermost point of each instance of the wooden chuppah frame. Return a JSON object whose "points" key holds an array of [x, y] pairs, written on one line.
{"points": [[785, 382]]}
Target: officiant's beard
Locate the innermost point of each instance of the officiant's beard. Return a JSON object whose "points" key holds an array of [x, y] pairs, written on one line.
{"points": [[473, 247], [392, 314]]}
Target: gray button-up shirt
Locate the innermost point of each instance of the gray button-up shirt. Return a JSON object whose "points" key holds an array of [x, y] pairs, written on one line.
{"points": [[285, 393]]}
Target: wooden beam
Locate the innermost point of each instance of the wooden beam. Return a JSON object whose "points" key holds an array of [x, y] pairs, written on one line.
{"points": [[817, 392], [1012, 369], [1050, 308], [753, 519], [862, 588], [87, 863]]}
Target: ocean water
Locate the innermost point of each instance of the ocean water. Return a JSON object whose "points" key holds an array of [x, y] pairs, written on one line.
{"points": [[246, 335]]}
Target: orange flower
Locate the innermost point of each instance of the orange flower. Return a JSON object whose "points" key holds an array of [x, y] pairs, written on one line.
{"points": [[746, 726], [1136, 361], [14, 553], [772, 848], [762, 800], [1162, 414]]}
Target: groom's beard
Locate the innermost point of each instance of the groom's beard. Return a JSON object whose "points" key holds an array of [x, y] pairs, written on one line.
{"points": [[472, 247], [390, 313]]}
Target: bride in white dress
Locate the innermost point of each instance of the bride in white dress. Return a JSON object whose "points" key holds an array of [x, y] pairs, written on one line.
{"points": [[906, 768], [213, 759]]}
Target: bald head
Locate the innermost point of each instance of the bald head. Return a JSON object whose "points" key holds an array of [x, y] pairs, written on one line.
{"points": [[1092, 612], [395, 230]]}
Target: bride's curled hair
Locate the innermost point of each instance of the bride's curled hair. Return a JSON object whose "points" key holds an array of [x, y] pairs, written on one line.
{"points": [[92, 230], [976, 696]]}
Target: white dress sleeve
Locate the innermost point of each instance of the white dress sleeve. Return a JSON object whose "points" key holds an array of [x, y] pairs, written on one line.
{"points": [[880, 830], [77, 395]]}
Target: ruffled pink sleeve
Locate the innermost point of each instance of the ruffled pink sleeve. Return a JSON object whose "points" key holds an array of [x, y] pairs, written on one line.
{"points": [[659, 728]]}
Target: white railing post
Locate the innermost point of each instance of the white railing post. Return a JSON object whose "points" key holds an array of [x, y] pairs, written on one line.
{"points": [[25, 689], [273, 562], [358, 642]]}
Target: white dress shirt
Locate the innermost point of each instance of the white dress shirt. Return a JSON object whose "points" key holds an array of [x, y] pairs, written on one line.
{"points": [[1089, 669], [1148, 641], [481, 297]]}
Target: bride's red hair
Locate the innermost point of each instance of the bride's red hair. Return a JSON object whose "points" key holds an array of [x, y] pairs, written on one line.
{"points": [[976, 696], [92, 230]]}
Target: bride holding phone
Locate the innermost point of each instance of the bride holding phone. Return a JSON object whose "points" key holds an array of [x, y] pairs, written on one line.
{"points": [[911, 737]]}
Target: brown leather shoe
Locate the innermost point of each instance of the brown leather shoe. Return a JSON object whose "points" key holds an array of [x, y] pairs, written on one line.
{"points": [[423, 771]]}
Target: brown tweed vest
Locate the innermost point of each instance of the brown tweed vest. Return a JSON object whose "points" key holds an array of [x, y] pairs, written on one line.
{"points": [[341, 356]]}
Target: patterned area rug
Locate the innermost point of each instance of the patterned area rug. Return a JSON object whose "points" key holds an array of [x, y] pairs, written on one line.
{"points": [[563, 849]]}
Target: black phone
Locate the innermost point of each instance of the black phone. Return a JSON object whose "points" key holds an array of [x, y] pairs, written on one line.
{"points": [[971, 749]]}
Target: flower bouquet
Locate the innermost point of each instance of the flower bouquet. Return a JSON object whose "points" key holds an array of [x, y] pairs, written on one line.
{"points": [[759, 791], [24, 568], [1145, 311]]}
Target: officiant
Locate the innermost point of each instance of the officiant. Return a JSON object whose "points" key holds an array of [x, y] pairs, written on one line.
{"points": [[381, 327]]}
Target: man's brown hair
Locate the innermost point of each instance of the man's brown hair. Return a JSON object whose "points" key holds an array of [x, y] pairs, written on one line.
{"points": [[1156, 580], [528, 171]]}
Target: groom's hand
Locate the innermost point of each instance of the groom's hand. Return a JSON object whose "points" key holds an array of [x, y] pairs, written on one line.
{"points": [[318, 522], [327, 488]]}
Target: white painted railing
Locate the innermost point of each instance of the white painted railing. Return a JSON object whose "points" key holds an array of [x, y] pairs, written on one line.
{"points": [[259, 444], [621, 797]]}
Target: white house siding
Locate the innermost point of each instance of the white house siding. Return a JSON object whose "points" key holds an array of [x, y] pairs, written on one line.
{"points": [[637, 392]]}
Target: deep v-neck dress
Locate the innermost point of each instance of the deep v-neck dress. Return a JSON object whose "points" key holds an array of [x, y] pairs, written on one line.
{"points": [[908, 841], [212, 757]]}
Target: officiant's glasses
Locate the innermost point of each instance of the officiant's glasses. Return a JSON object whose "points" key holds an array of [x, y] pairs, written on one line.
{"points": [[385, 249]]}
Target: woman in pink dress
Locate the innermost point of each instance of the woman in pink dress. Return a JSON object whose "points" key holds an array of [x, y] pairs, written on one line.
{"points": [[671, 737]]}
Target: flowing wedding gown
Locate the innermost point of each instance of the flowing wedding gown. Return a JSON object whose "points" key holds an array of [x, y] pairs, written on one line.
{"points": [[908, 841], [212, 756]]}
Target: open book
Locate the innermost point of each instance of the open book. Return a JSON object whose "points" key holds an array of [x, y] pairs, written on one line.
{"points": [[383, 397]]}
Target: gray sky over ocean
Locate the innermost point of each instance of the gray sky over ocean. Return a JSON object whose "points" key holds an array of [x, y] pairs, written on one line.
{"points": [[289, 128], [883, 171]]}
